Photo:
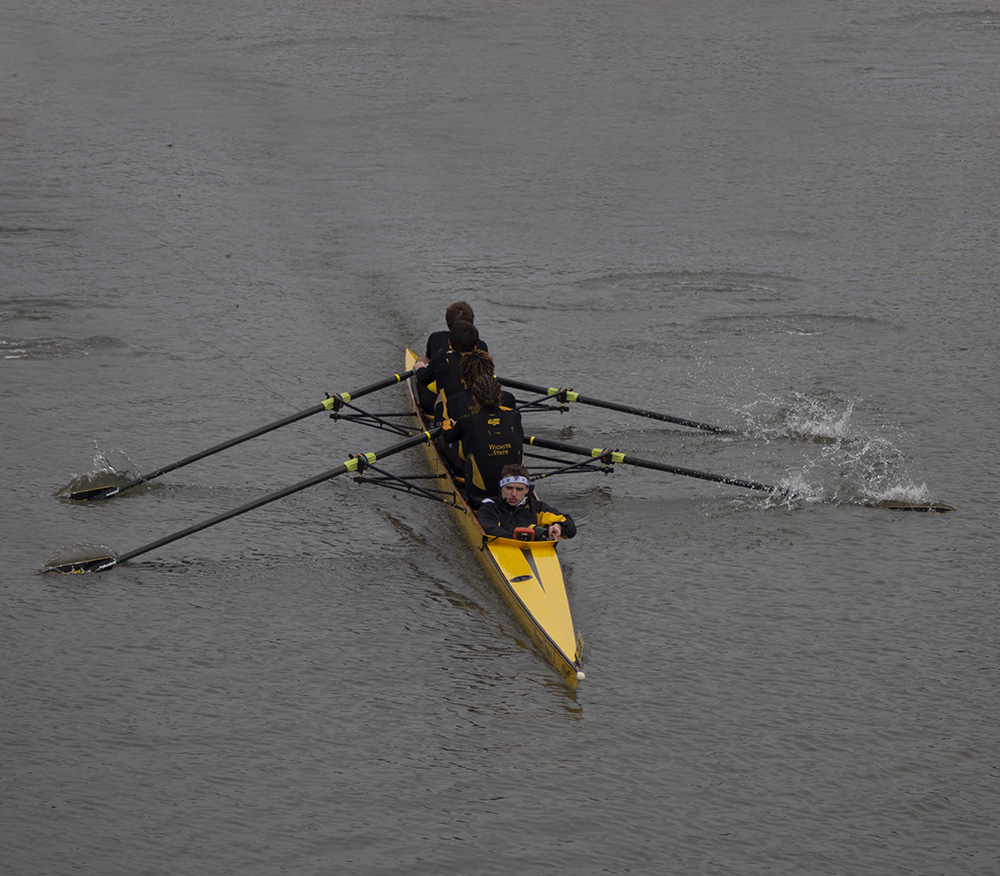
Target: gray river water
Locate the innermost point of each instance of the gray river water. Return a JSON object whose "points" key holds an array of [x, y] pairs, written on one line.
{"points": [[777, 216]]}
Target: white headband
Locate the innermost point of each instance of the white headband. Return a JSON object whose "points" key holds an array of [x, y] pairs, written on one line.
{"points": [[514, 479]]}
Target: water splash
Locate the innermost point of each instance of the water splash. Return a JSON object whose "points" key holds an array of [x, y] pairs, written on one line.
{"points": [[112, 468], [812, 419], [869, 470], [801, 488], [857, 464], [801, 417]]}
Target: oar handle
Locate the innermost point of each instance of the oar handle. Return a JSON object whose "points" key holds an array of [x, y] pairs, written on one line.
{"points": [[567, 395]]}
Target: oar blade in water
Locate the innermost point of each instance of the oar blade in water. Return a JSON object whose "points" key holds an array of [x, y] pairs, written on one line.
{"points": [[92, 494], [79, 567], [939, 507]]}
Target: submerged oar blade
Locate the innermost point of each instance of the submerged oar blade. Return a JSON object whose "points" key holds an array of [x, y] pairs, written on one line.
{"points": [[92, 494], [79, 567], [938, 507]]}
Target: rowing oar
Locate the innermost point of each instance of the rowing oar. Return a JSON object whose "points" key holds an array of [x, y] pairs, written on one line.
{"points": [[355, 463], [566, 395], [332, 403], [613, 456]]}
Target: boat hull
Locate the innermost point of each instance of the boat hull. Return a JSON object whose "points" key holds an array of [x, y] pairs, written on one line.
{"points": [[527, 574]]}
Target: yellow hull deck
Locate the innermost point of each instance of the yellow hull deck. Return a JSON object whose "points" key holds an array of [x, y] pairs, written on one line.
{"points": [[527, 574]]}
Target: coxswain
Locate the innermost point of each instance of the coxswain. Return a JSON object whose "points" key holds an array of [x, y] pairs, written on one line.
{"points": [[491, 438], [519, 513]]}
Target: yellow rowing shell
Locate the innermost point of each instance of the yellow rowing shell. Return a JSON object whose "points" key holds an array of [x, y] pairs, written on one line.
{"points": [[527, 574]]}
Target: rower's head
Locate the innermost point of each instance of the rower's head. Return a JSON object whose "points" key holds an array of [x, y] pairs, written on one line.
{"points": [[460, 311], [486, 391], [463, 337], [475, 363], [514, 484]]}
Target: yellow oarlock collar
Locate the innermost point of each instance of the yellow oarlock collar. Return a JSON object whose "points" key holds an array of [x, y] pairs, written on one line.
{"points": [[336, 400], [352, 463]]}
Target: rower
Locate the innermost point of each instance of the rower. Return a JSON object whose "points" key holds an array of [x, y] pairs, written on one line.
{"points": [[442, 374], [437, 342], [519, 513], [460, 404], [491, 438]]}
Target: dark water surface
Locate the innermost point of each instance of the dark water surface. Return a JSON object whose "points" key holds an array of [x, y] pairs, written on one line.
{"points": [[773, 215]]}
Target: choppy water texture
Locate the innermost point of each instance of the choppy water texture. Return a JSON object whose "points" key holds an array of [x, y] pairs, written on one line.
{"points": [[779, 217]]}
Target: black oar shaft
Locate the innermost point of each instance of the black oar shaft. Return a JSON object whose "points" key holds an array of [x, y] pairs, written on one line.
{"points": [[350, 465], [570, 396], [613, 456], [250, 506], [334, 402], [626, 459], [225, 445]]}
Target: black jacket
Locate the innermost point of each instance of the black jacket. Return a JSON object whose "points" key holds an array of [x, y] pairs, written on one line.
{"points": [[491, 438], [498, 518], [441, 377], [461, 404], [440, 342]]}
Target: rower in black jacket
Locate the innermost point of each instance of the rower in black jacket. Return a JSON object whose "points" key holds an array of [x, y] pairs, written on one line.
{"points": [[454, 406], [491, 438], [438, 342], [443, 373], [460, 404], [519, 513]]}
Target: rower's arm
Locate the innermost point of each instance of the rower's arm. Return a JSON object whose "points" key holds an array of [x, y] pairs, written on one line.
{"points": [[488, 515]]}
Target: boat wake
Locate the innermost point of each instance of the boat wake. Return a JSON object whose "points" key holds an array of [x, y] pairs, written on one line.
{"points": [[801, 417]]}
